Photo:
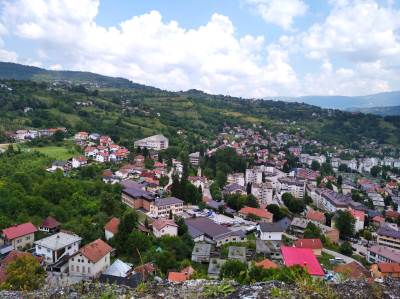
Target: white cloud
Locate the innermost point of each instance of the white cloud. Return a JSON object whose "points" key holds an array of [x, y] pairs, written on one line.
{"points": [[148, 50], [278, 12]]}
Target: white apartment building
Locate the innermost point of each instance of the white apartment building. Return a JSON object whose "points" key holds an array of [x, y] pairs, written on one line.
{"points": [[253, 176], [56, 246], [236, 178], [156, 142], [290, 185], [263, 192]]}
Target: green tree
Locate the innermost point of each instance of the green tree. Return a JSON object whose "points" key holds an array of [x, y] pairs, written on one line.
{"points": [[24, 274], [294, 205], [344, 222], [315, 165], [312, 231], [346, 249], [232, 269], [375, 170]]}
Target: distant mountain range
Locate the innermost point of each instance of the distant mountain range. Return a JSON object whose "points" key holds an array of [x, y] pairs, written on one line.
{"points": [[23, 72], [357, 103], [381, 103], [382, 111]]}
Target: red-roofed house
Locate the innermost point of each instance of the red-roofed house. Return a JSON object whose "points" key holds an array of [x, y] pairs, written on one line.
{"points": [[164, 227], [78, 161], [263, 214], [111, 228], [378, 220], [267, 264], [181, 276], [91, 260], [359, 216], [314, 244], [50, 225], [386, 270], [19, 236], [303, 257], [316, 216]]}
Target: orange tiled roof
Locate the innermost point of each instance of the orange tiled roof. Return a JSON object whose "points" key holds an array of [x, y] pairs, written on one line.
{"points": [[96, 250], [112, 225], [267, 264]]}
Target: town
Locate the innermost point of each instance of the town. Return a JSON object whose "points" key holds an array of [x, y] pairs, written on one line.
{"points": [[248, 200]]}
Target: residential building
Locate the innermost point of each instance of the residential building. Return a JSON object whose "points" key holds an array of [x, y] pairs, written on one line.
{"points": [[388, 236], [267, 264], [194, 158], [164, 227], [91, 260], [329, 200], [290, 185], [385, 270], [214, 267], [316, 216], [237, 253], [234, 189], [121, 273], [162, 207], [137, 198], [236, 178], [262, 214], [263, 192], [78, 161], [50, 225], [253, 176], [359, 217], [298, 226], [203, 229], [270, 231], [57, 246], [156, 142], [314, 244], [19, 236], [302, 257], [111, 228], [201, 252], [383, 254]]}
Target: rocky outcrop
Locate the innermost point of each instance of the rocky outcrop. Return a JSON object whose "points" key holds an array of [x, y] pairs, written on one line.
{"points": [[216, 289]]}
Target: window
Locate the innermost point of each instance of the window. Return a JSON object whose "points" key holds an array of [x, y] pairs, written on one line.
{"points": [[77, 268], [88, 270], [72, 268], [39, 247], [83, 269], [19, 241], [28, 238], [48, 250], [69, 247]]}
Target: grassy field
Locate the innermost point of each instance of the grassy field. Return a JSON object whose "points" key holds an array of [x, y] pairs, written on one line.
{"points": [[55, 152], [324, 261]]}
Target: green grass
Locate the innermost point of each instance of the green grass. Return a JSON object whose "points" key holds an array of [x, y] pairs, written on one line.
{"points": [[324, 261], [55, 152]]}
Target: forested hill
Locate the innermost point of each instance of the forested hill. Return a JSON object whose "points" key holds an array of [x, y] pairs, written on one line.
{"points": [[23, 72], [127, 113]]}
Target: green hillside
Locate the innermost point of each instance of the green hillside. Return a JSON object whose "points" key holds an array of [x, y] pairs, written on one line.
{"points": [[129, 111]]}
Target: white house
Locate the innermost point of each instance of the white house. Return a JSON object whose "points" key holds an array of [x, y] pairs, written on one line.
{"points": [[270, 231], [156, 142], [165, 227], [56, 246], [78, 161], [111, 228], [91, 260]]}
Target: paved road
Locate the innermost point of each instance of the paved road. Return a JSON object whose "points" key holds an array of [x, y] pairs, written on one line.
{"points": [[346, 258], [170, 178]]}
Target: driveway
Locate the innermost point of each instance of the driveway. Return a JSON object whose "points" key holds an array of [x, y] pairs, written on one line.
{"points": [[346, 258]]}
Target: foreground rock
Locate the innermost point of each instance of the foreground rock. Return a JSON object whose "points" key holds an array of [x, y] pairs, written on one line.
{"points": [[217, 289]]}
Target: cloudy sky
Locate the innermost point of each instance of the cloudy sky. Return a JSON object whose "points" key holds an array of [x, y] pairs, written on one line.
{"points": [[249, 48]]}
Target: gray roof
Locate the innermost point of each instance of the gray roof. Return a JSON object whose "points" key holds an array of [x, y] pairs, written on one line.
{"points": [[284, 223], [167, 201], [386, 252], [236, 252], [261, 247], [132, 184], [201, 249], [58, 241], [271, 227], [215, 204], [233, 187], [118, 268], [387, 231], [207, 227], [134, 192]]}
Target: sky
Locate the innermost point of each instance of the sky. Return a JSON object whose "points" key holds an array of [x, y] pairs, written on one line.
{"points": [[247, 48]]}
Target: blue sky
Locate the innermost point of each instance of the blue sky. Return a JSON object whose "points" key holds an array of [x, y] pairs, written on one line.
{"points": [[249, 48]]}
